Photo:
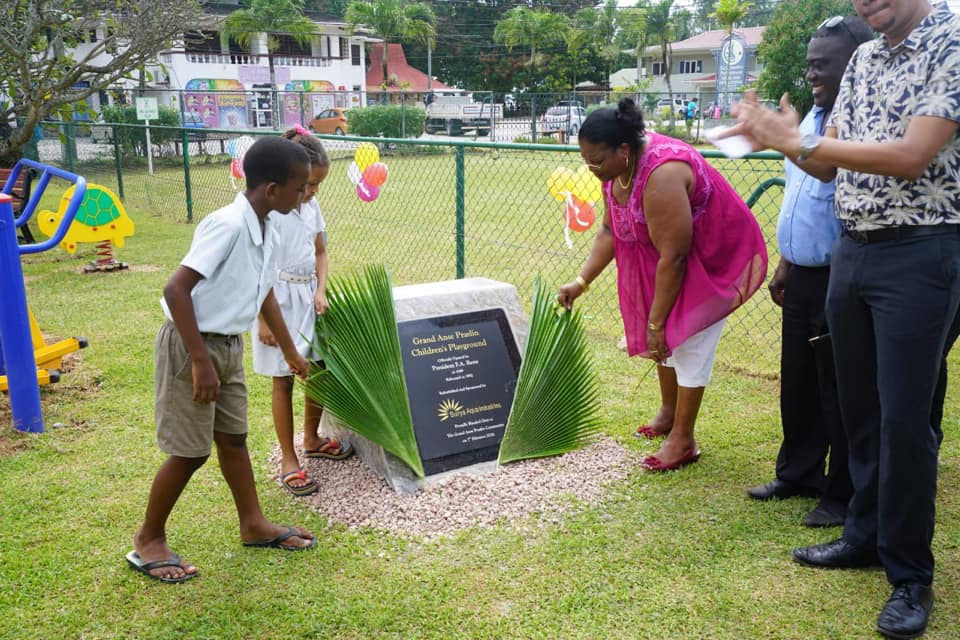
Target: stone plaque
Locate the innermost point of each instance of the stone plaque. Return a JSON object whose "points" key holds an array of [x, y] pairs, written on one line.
{"points": [[461, 373]]}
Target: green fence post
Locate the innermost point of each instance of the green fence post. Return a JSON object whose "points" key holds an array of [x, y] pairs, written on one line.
{"points": [[116, 159], [461, 213], [70, 146], [186, 173]]}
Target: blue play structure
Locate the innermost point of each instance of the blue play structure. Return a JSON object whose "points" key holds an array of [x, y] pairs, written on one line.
{"points": [[16, 346]]}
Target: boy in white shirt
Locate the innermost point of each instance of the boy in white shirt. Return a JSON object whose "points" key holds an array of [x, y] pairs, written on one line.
{"points": [[212, 298]]}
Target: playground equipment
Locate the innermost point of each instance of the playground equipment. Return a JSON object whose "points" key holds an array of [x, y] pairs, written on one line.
{"points": [[17, 358], [101, 219]]}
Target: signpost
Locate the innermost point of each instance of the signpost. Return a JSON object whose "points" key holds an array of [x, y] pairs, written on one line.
{"points": [[148, 110]]}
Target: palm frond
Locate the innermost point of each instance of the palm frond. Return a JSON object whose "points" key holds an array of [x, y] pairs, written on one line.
{"points": [[363, 383], [555, 407]]}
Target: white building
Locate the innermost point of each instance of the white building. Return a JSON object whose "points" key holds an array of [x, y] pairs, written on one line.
{"points": [[212, 79]]}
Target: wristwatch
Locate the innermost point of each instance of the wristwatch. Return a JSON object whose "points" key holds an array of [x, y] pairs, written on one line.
{"points": [[808, 144]]}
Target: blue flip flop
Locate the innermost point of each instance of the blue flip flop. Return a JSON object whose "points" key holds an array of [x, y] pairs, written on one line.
{"points": [[277, 543], [135, 561]]}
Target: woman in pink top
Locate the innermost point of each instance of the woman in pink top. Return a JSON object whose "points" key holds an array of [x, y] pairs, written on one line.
{"points": [[688, 252]]}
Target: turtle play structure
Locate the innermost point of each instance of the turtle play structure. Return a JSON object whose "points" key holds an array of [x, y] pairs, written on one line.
{"points": [[25, 360], [101, 219]]}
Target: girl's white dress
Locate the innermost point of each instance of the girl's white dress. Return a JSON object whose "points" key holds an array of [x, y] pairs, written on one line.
{"points": [[296, 286]]}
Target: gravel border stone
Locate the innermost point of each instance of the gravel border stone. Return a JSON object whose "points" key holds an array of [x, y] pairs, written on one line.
{"points": [[353, 495]]}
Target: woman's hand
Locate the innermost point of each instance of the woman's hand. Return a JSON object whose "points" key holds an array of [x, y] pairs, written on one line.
{"points": [[568, 293], [657, 344]]}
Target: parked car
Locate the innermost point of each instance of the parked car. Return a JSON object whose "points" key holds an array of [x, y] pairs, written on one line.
{"points": [[679, 108], [567, 118], [332, 120]]}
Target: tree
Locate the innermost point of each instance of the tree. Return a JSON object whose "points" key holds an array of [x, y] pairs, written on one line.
{"points": [[44, 72], [784, 45], [525, 27], [271, 18], [635, 34], [727, 13], [394, 21], [660, 27]]}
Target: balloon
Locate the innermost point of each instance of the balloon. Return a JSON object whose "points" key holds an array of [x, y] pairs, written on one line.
{"points": [[236, 168], [376, 174], [560, 183], [366, 192], [353, 173], [580, 215], [586, 186], [366, 154]]}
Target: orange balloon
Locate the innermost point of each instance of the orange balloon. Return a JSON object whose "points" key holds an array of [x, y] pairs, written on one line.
{"points": [[376, 174], [580, 214]]}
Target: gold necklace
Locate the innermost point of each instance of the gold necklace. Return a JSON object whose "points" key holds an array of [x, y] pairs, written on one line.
{"points": [[629, 181]]}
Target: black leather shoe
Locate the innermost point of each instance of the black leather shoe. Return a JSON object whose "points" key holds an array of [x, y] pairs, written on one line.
{"points": [[780, 489], [907, 611], [828, 513], [836, 555]]}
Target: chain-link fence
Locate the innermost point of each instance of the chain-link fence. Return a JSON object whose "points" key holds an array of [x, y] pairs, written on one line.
{"points": [[450, 208]]}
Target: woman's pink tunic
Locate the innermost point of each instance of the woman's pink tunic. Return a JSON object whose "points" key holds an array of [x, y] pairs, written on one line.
{"points": [[728, 256]]}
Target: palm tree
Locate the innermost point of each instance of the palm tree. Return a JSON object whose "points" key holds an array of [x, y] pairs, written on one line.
{"points": [[273, 18], [727, 13], [634, 22], [660, 28], [524, 27], [394, 21]]}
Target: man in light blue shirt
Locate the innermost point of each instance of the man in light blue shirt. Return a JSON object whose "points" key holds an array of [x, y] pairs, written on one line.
{"points": [[806, 232]]}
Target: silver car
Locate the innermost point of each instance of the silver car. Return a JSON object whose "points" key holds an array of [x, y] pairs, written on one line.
{"points": [[568, 118]]}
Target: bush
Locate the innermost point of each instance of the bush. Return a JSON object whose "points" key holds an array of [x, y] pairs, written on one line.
{"points": [[134, 139], [376, 121]]}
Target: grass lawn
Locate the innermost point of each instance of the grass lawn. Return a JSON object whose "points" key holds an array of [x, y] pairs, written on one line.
{"points": [[680, 555]]}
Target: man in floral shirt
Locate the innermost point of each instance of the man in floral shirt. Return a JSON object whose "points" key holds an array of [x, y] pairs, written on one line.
{"points": [[894, 282]]}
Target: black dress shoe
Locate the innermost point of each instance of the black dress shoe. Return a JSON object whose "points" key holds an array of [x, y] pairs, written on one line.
{"points": [[836, 555], [780, 489], [828, 513], [907, 611]]}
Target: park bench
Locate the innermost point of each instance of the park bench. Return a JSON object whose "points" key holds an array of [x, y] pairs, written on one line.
{"points": [[20, 190]]}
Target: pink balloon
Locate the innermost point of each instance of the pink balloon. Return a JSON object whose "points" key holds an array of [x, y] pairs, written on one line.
{"points": [[366, 192]]}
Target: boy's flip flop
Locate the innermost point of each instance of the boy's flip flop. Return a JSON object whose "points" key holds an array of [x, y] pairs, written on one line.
{"points": [[277, 543], [331, 449], [135, 561]]}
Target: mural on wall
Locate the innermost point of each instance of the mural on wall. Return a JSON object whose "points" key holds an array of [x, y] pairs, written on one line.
{"points": [[313, 101], [220, 103]]}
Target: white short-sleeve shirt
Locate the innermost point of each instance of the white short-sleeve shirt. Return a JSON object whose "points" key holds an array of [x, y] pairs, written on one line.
{"points": [[296, 248], [238, 266]]}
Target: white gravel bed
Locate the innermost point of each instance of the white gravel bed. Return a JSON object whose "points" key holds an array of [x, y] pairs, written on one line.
{"points": [[353, 495]]}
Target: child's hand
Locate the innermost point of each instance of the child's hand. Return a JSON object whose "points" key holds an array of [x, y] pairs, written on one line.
{"points": [[299, 366], [320, 303], [266, 336], [206, 383]]}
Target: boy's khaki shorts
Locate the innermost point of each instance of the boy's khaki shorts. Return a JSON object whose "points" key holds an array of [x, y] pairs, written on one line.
{"points": [[184, 427]]}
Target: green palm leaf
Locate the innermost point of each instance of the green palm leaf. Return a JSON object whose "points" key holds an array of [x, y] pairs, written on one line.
{"points": [[363, 383], [555, 407]]}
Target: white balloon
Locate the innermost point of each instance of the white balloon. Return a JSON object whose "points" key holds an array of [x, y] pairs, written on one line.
{"points": [[353, 173]]}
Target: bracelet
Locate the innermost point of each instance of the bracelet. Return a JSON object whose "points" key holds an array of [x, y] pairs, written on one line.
{"points": [[653, 326], [583, 283]]}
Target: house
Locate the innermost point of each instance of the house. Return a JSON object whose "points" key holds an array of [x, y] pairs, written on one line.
{"points": [[402, 78], [711, 65], [214, 80]]}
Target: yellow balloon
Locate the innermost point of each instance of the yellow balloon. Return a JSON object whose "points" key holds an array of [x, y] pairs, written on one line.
{"points": [[560, 183], [366, 154], [586, 186]]}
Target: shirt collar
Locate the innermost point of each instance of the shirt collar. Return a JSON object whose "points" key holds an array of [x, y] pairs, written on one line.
{"points": [[251, 219], [915, 38]]}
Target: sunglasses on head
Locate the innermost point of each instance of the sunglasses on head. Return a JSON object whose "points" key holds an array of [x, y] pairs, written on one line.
{"points": [[830, 23]]}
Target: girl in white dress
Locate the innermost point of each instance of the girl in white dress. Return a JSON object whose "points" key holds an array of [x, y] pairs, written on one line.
{"points": [[300, 291]]}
